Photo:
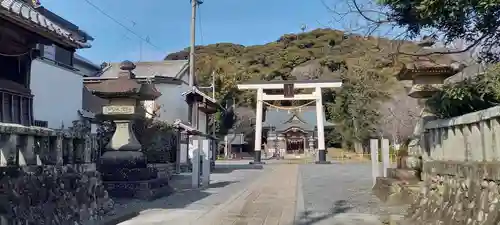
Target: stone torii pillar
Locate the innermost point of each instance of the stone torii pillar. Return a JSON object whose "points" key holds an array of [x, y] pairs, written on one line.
{"points": [[288, 88]]}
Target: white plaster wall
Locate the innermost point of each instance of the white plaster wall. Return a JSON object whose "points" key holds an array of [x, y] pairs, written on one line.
{"points": [[203, 122], [172, 104], [57, 93]]}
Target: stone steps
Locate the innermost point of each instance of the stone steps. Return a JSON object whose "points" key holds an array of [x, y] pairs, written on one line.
{"points": [[388, 190], [409, 175], [402, 186]]}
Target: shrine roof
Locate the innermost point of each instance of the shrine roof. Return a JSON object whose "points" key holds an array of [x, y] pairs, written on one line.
{"points": [[26, 16], [281, 120], [434, 64]]}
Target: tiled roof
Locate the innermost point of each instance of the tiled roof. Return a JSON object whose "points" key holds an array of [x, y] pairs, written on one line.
{"points": [[167, 68], [197, 91], [23, 13], [282, 120]]}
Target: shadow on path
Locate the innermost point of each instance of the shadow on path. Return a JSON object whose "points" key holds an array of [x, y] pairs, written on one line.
{"points": [[183, 196], [307, 217], [228, 168]]}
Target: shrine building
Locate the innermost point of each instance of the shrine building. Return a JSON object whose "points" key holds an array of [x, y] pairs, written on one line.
{"points": [[291, 132]]}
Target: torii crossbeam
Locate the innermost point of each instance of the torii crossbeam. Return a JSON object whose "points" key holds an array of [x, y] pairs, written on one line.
{"points": [[288, 87]]}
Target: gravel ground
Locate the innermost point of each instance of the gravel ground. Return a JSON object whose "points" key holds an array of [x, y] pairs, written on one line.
{"points": [[334, 189]]}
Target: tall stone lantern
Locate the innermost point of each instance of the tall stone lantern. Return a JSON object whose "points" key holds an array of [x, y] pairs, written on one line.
{"points": [[123, 166], [428, 77]]}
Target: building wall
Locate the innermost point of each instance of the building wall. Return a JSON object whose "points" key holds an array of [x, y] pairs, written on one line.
{"points": [[203, 122], [57, 93], [171, 102]]}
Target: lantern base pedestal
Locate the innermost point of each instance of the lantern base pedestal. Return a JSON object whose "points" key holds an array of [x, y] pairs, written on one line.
{"points": [[125, 175], [145, 190]]}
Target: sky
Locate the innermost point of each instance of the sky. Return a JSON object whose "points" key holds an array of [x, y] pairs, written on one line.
{"points": [[166, 23]]}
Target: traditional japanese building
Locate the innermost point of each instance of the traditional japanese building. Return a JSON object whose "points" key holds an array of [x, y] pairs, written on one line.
{"points": [[291, 132], [25, 30]]}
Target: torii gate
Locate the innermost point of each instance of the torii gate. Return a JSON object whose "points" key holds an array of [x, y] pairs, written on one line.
{"points": [[288, 87]]}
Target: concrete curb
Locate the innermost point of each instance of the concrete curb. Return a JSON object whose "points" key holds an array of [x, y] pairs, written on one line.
{"points": [[114, 220], [299, 204]]}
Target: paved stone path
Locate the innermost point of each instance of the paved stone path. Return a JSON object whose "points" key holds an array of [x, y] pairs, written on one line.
{"points": [[275, 194], [340, 194], [270, 200]]}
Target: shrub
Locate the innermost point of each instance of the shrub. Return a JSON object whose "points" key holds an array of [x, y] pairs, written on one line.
{"points": [[470, 95]]}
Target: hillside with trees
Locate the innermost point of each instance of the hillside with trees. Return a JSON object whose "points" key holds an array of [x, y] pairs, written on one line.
{"points": [[367, 105]]}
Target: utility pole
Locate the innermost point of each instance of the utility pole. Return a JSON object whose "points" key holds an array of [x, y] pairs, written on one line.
{"points": [[193, 108], [194, 5], [213, 96]]}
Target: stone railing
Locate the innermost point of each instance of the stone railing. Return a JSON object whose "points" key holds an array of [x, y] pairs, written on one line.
{"points": [[26, 146], [471, 137], [49, 177]]}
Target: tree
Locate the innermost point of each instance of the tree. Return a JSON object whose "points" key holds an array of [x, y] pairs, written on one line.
{"points": [[356, 106], [475, 22], [470, 95], [401, 114]]}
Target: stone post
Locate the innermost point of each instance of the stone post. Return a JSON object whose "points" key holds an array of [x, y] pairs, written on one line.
{"points": [[205, 179], [386, 161], [58, 149], [87, 149], [195, 162], [374, 159]]}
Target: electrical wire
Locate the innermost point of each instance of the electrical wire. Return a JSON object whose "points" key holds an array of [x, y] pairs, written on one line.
{"points": [[123, 25]]}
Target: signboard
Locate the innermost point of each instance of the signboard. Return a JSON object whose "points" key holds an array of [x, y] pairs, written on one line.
{"points": [[49, 52], [288, 90], [118, 109]]}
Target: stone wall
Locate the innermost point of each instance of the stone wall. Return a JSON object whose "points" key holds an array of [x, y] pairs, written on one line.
{"points": [[50, 195], [457, 192]]}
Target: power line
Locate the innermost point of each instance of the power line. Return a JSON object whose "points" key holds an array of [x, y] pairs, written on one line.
{"points": [[123, 26]]}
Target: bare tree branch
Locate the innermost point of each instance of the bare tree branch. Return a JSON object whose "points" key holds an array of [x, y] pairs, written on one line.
{"points": [[374, 24]]}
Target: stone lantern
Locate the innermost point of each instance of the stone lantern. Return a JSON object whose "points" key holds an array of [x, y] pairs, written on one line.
{"points": [[272, 143], [428, 77], [311, 141], [123, 166], [281, 145]]}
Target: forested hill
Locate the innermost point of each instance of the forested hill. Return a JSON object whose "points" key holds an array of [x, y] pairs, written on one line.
{"points": [[309, 55], [324, 48]]}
